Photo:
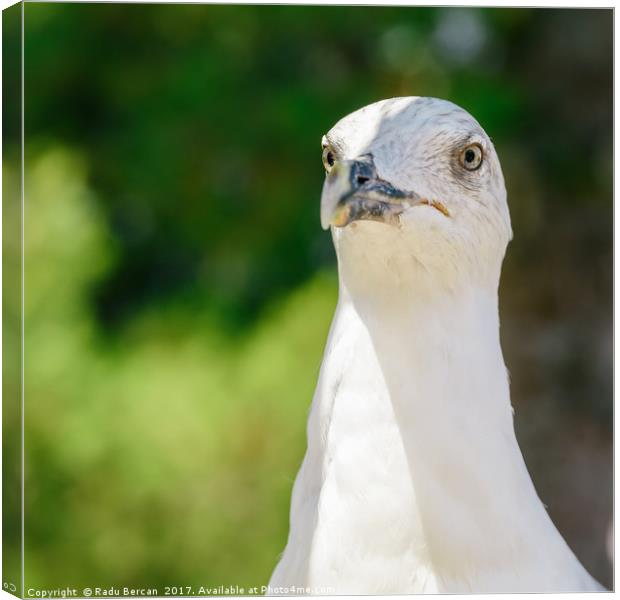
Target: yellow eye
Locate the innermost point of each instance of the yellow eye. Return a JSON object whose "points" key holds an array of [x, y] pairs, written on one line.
{"points": [[471, 157], [329, 158]]}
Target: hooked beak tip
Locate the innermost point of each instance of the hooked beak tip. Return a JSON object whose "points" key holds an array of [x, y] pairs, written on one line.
{"points": [[335, 189], [339, 218]]}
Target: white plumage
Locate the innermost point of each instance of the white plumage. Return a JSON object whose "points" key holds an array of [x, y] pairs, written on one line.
{"points": [[413, 480]]}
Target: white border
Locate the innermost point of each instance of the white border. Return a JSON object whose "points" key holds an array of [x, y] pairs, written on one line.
{"points": [[497, 3]]}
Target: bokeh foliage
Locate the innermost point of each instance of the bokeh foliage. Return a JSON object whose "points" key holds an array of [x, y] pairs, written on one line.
{"points": [[179, 288], [147, 452]]}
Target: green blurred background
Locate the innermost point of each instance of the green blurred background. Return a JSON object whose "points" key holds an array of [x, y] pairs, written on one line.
{"points": [[179, 287]]}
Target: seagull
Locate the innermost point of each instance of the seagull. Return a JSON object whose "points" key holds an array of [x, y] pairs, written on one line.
{"points": [[413, 480]]}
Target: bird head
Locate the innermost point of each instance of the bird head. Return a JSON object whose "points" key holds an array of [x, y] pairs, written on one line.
{"points": [[415, 182]]}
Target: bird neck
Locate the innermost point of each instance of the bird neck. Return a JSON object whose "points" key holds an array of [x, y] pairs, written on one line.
{"points": [[438, 354]]}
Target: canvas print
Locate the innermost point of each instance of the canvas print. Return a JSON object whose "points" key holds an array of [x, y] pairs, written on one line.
{"points": [[306, 300]]}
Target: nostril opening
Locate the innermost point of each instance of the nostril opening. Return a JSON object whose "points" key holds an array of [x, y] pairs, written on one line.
{"points": [[361, 180]]}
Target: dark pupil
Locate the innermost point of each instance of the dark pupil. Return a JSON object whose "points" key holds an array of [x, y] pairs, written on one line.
{"points": [[330, 159], [470, 156]]}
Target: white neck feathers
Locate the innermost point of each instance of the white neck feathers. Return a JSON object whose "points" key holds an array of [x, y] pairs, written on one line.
{"points": [[412, 460]]}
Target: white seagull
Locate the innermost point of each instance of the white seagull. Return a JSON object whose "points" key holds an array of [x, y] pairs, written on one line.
{"points": [[413, 480]]}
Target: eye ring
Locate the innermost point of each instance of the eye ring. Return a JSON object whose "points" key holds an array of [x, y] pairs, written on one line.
{"points": [[329, 158], [471, 157]]}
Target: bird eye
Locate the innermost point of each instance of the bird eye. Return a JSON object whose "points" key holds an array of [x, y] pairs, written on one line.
{"points": [[471, 157], [329, 158]]}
